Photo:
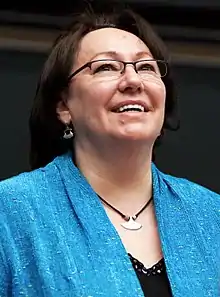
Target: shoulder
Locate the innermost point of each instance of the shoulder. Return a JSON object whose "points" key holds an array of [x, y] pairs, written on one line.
{"points": [[23, 182], [26, 200], [191, 192], [25, 186], [201, 204], [186, 190], [184, 185]]}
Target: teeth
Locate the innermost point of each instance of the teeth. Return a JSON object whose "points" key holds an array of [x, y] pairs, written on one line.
{"points": [[131, 106]]}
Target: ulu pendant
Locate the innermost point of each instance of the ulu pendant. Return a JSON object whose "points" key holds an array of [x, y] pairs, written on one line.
{"points": [[131, 224]]}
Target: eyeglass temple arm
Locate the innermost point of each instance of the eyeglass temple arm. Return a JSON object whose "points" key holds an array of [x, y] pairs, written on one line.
{"points": [[78, 70]]}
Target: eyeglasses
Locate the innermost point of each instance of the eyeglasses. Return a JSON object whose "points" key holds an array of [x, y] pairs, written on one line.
{"points": [[113, 69]]}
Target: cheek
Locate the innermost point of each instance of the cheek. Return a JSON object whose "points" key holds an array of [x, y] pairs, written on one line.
{"points": [[101, 92], [89, 96], [157, 93], [163, 97]]}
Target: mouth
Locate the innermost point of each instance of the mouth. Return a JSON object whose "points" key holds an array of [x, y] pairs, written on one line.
{"points": [[130, 108]]}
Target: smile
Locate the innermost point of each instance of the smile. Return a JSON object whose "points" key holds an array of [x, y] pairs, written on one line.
{"points": [[130, 108]]}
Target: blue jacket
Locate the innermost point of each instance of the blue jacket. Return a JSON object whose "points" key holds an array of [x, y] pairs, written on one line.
{"points": [[56, 239]]}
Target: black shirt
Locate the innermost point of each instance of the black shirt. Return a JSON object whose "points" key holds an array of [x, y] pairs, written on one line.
{"points": [[154, 280]]}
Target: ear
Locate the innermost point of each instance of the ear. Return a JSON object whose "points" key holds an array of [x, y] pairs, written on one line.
{"points": [[63, 112]]}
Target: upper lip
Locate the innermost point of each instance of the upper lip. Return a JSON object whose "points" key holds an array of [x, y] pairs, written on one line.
{"points": [[127, 102]]}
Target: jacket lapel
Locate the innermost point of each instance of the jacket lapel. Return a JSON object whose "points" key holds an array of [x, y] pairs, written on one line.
{"points": [[189, 260], [105, 266]]}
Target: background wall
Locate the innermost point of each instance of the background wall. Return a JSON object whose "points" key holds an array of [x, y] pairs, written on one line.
{"points": [[19, 72], [194, 151]]}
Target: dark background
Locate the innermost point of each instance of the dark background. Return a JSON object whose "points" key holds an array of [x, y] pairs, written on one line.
{"points": [[192, 152]]}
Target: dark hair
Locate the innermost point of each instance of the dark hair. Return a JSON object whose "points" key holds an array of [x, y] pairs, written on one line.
{"points": [[46, 129]]}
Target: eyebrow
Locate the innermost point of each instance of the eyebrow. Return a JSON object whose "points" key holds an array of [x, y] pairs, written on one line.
{"points": [[115, 54]]}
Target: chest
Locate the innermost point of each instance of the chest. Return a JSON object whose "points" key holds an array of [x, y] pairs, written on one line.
{"points": [[144, 243]]}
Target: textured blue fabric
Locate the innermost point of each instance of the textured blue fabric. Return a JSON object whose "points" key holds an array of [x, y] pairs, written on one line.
{"points": [[56, 239]]}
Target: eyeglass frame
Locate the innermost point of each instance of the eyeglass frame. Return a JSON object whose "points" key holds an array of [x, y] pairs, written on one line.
{"points": [[88, 64]]}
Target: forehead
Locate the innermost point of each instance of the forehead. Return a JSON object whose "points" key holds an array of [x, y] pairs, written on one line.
{"points": [[101, 41]]}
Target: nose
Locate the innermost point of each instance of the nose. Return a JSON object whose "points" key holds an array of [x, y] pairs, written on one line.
{"points": [[130, 80]]}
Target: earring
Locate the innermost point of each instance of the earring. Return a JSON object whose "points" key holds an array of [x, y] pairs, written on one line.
{"points": [[68, 132]]}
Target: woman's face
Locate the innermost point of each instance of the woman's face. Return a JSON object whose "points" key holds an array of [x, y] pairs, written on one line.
{"points": [[94, 97]]}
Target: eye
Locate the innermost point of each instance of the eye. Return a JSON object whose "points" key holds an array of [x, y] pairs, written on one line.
{"points": [[143, 66], [105, 67], [98, 67]]}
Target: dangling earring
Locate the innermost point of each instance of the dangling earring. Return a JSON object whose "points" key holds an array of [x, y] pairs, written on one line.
{"points": [[68, 132]]}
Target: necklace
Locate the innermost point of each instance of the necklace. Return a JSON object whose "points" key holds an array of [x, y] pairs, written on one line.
{"points": [[130, 223]]}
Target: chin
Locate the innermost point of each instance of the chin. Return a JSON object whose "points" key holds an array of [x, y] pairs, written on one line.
{"points": [[138, 136]]}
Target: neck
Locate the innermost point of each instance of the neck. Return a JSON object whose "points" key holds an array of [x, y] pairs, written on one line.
{"points": [[118, 173]]}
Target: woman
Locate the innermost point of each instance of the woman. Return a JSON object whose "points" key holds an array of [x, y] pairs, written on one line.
{"points": [[95, 217]]}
